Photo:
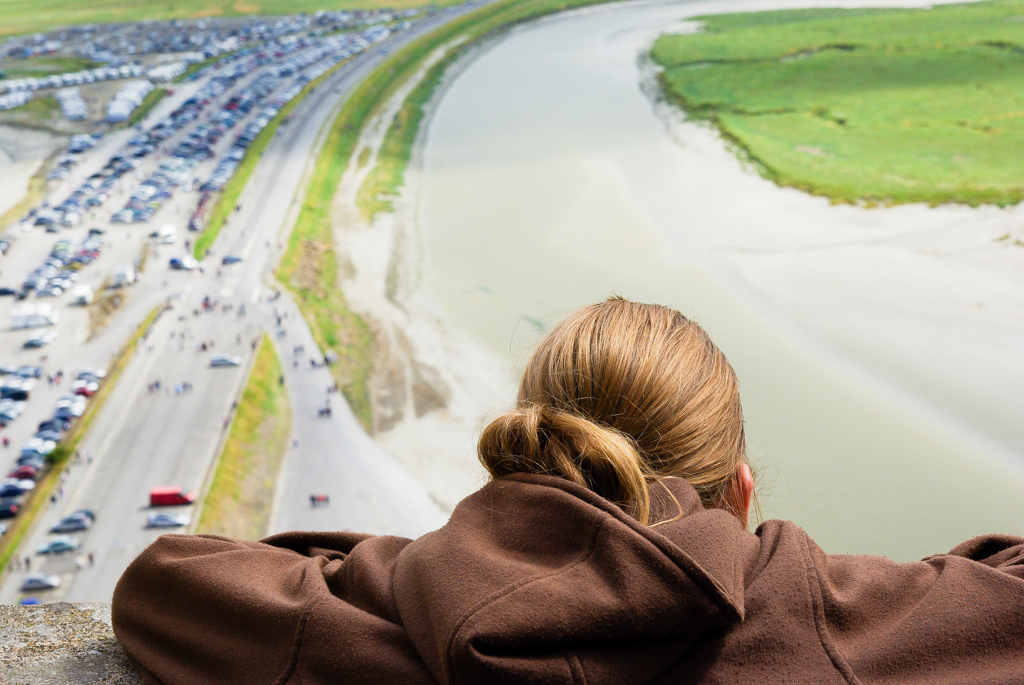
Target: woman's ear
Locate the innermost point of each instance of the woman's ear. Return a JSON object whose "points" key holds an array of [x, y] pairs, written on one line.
{"points": [[743, 493]]}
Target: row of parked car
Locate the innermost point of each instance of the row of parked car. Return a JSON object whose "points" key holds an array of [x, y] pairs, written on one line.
{"points": [[147, 199], [79, 143], [59, 271], [31, 462], [75, 78]]}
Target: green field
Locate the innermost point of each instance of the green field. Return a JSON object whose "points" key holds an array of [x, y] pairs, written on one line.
{"points": [[30, 16], [880, 106]]}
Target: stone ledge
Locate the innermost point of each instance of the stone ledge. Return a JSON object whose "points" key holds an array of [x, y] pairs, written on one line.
{"points": [[61, 644]]}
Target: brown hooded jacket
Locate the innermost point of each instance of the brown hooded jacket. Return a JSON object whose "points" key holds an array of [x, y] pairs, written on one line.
{"points": [[537, 580]]}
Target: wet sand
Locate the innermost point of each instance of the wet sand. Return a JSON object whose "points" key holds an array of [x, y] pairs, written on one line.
{"points": [[22, 151], [876, 348]]}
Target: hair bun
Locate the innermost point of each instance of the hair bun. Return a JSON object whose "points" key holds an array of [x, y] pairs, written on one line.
{"points": [[537, 438]]}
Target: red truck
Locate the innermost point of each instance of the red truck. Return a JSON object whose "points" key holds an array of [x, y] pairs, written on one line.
{"points": [[169, 495]]}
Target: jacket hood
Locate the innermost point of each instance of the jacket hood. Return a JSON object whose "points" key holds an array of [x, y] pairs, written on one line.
{"points": [[535, 579]]}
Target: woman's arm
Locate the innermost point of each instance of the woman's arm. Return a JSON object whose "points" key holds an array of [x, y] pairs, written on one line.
{"points": [[205, 609], [954, 618]]}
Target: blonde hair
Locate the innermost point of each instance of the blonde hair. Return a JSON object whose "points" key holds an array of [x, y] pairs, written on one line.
{"points": [[618, 396]]}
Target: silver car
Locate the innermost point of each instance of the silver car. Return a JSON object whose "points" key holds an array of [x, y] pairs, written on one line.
{"points": [[40, 581]]}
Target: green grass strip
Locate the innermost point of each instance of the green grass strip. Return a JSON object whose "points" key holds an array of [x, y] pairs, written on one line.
{"points": [[310, 265], [228, 197], [57, 460], [151, 100], [239, 500]]}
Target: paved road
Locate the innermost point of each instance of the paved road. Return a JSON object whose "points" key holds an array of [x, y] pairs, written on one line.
{"points": [[142, 439], [369, 490]]}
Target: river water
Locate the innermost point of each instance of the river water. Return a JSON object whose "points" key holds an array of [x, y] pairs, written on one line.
{"points": [[534, 202]]}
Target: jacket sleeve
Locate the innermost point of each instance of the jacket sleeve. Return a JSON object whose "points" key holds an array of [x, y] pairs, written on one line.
{"points": [[207, 609], [953, 618]]}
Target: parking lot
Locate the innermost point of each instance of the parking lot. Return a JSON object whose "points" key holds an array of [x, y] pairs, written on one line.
{"points": [[136, 192]]}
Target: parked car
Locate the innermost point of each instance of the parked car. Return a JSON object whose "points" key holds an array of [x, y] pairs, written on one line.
{"points": [[225, 360], [9, 507], [23, 472], [40, 581], [56, 436], [41, 338], [77, 521], [60, 545], [38, 446], [11, 409], [4, 290], [13, 487], [183, 263], [34, 460], [69, 406], [15, 388], [230, 259], [29, 371], [162, 520], [91, 374], [85, 388], [54, 424]]}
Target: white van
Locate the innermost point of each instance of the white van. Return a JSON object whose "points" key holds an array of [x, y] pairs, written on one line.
{"points": [[81, 295], [124, 276], [168, 234]]}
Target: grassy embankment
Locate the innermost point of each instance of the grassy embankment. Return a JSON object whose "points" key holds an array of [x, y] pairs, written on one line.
{"points": [[44, 65], [36, 113], [239, 499], [30, 16], [58, 459], [310, 267], [226, 201], [877, 105], [151, 100]]}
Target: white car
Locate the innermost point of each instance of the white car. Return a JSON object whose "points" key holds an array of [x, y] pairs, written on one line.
{"points": [[38, 446], [41, 338], [161, 520], [40, 581], [97, 372], [86, 388], [75, 404], [225, 360]]}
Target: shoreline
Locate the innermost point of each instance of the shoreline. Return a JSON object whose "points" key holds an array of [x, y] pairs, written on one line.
{"points": [[23, 151], [730, 267]]}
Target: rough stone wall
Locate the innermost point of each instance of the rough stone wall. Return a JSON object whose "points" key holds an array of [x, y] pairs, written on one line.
{"points": [[61, 644]]}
